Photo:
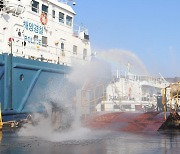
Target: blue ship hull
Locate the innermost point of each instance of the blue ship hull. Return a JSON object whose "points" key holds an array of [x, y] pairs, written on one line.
{"points": [[24, 83]]}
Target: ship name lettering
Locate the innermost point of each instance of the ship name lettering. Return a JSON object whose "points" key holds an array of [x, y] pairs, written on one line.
{"points": [[38, 29]]}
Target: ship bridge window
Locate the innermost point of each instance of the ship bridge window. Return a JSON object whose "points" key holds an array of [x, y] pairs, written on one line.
{"points": [[68, 20], [53, 14], [35, 6], [1, 5], [44, 8], [44, 41], [61, 17], [74, 50]]}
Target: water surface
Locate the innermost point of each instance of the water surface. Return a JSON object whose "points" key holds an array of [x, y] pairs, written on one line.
{"points": [[107, 143]]}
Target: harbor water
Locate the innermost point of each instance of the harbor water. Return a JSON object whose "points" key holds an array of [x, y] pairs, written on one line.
{"points": [[93, 143]]}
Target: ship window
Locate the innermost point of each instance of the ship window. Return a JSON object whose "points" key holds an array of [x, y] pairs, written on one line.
{"points": [[35, 6], [1, 5], [24, 43], [44, 41], [84, 54], [61, 17], [53, 14], [86, 36], [74, 50], [44, 8], [35, 38], [62, 46], [68, 20]]}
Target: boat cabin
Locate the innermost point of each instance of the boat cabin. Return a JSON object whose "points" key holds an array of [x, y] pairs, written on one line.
{"points": [[42, 30]]}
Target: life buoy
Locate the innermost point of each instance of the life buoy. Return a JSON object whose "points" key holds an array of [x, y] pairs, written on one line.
{"points": [[43, 18]]}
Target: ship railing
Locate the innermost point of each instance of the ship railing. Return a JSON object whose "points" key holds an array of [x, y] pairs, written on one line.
{"points": [[64, 1], [91, 96], [81, 32], [49, 53], [41, 55], [67, 1], [58, 56], [123, 95], [120, 94], [145, 80], [12, 6], [148, 79]]}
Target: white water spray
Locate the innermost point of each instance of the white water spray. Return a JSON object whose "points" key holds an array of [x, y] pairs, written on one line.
{"points": [[64, 98], [123, 58], [80, 76]]}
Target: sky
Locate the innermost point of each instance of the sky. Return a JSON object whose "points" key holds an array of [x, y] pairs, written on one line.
{"points": [[148, 28]]}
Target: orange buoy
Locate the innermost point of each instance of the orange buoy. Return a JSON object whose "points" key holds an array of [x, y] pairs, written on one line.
{"points": [[43, 18]]}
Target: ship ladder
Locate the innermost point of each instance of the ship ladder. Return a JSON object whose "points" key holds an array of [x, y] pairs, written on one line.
{"points": [[1, 124]]}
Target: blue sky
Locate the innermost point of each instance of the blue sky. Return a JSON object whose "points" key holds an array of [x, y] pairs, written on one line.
{"points": [[148, 28]]}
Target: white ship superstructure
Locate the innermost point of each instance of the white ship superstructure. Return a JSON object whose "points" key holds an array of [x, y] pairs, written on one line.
{"points": [[132, 93], [42, 30], [38, 44]]}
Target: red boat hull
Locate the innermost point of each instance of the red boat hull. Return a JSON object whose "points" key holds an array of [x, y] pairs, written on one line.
{"points": [[126, 121]]}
